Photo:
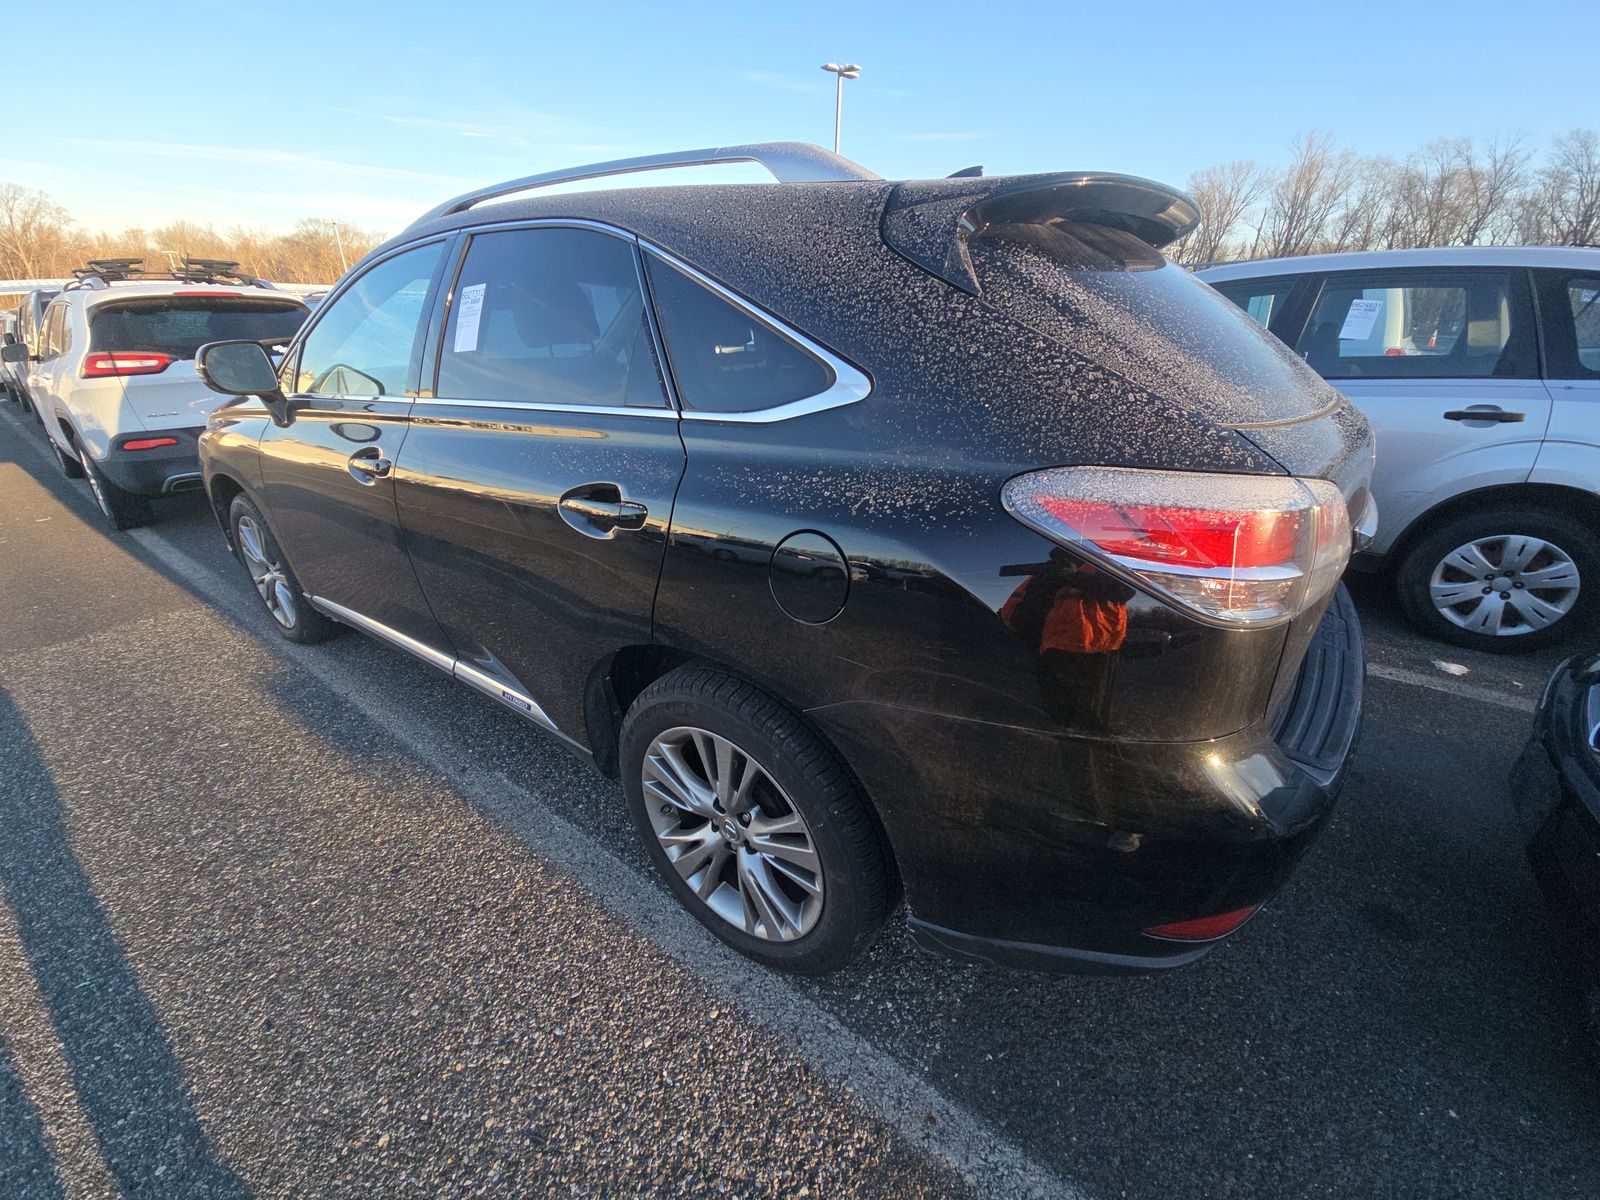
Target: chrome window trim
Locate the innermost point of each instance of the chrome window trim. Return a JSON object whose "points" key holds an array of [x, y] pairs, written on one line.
{"points": [[850, 383], [671, 414], [514, 698]]}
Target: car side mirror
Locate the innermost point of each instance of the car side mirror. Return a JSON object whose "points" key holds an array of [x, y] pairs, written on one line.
{"points": [[15, 352], [242, 368]]}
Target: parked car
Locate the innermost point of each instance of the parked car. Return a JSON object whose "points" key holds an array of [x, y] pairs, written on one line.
{"points": [[29, 326], [934, 535], [1479, 368], [113, 376], [1556, 788]]}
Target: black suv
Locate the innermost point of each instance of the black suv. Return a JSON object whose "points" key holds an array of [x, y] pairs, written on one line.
{"points": [[937, 537]]}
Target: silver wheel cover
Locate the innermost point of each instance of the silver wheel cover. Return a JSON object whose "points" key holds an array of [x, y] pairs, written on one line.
{"points": [[1505, 585], [732, 835], [266, 573]]}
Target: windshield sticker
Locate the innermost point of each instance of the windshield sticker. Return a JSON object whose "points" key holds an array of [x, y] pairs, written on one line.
{"points": [[1358, 322], [469, 308]]}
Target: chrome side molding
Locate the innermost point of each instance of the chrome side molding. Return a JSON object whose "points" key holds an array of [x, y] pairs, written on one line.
{"points": [[514, 698]]}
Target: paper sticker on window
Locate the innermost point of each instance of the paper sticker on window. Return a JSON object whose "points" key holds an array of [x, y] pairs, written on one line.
{"points": [[1358, 322], [469, 309]]}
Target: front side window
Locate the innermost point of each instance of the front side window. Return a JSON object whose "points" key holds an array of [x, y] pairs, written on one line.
{"points": [[1583, 300], [724, 359], [1416, 327], [549, 316], [54, 338], [362, 344]]}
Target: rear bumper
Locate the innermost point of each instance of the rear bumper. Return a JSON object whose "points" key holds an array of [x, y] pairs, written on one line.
{"points": [[158, 472], [1055, 853]]}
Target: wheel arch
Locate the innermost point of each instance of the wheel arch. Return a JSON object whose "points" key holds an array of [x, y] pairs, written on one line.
{"points": [[1555, 497], [221, 490], [618, 679]]}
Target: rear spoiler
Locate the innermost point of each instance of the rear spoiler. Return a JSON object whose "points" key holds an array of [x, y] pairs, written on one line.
{"points": [[931, 221]]}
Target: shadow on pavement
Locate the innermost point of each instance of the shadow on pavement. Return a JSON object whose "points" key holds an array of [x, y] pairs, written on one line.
{"points": [[129, 1082]]}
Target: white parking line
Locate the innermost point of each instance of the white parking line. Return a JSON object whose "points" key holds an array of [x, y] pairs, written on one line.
{"points": [[944, 1129], [1464, 691]]}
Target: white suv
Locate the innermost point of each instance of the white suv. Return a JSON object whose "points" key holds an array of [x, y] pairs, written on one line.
{"points": [[1479, 370], [113, 375]]}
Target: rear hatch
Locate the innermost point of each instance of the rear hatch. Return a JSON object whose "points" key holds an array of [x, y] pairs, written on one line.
{"points": [[149, 342], [1077, 259]]}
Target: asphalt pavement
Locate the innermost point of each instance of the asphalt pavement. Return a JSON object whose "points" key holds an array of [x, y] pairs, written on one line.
{"points": [[317, 921]]}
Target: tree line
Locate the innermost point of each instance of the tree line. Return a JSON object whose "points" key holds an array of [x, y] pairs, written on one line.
{"points": [[40, 240], [1451, 192]]}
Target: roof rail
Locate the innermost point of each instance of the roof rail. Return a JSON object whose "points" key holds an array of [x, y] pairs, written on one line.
{"points": [[102, 272], [789, 162]]}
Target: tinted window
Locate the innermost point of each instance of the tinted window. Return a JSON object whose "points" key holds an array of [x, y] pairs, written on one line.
{"points": [[1260, 300], [54, 341], [181, 325], [1437, 326], [549, 316], [362, 344], [1583, 300], [1114, 300], [724, 359]]}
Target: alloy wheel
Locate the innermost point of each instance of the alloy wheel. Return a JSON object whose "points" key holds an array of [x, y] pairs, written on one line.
{"points": [[266, 573], [732, 835], [1504, 585]]}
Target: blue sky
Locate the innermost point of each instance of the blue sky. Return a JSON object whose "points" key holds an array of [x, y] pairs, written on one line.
{"points": [[262, 113]]}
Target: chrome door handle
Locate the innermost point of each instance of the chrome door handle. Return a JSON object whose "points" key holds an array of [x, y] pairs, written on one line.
{"points": [[1498, 415], [368, 465], [598, 510]]}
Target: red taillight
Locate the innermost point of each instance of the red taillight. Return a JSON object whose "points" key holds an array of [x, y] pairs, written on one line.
{"points": [[154, 443], [1234, 549], [1204, 929], [125, 362], [1394, 352]]}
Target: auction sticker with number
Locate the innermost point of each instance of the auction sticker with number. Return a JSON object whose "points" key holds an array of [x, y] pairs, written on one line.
{"points": [[1358, 322], [469, 309]]}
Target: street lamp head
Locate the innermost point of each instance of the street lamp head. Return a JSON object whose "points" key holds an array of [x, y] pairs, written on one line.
{"points": [[832, 67]]}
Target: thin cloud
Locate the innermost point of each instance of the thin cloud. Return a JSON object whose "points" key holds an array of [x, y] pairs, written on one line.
{"points": [[787, 83], [281, 160], [939, 137]]}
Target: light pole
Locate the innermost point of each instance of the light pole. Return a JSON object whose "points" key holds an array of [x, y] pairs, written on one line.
{"points": [[843, 71]]}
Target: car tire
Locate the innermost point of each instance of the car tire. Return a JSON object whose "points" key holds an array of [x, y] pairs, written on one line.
{"points": [[67, 460], [799, 805], [1489, 560], [275, 583], [122, 508]]}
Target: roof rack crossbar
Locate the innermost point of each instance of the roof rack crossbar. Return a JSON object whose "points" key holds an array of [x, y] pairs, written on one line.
{"points": [[101, 272], [789, 162]]}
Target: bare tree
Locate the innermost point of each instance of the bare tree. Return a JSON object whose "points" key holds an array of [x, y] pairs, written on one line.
{"points": [[1226, 195], [1307, 193], [1493, 179], [33, 229], [1564, 207], [1363, 219]]}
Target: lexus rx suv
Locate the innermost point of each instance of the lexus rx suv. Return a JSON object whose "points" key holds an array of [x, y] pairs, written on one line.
{"points": [[111, 374], [933, 538], [1479, 368]]}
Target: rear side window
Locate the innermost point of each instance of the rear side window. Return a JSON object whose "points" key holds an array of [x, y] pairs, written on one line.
{"points": [[180, 325], [1262, 300], [363, 343], [1410, 326], [55, 341], [1583, 300], [724, 359], [549, 316]]}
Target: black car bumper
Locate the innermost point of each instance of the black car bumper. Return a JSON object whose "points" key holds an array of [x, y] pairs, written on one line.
{"points": [[1057, 853], [1556, 793], [160, 471]]}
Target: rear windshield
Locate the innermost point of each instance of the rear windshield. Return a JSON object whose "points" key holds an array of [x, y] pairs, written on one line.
{"points": [[1115, 300], [180, 325]]}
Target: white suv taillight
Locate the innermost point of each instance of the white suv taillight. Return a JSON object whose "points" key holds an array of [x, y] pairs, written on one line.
{"points": [[124, 362], [1235, 550]]}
